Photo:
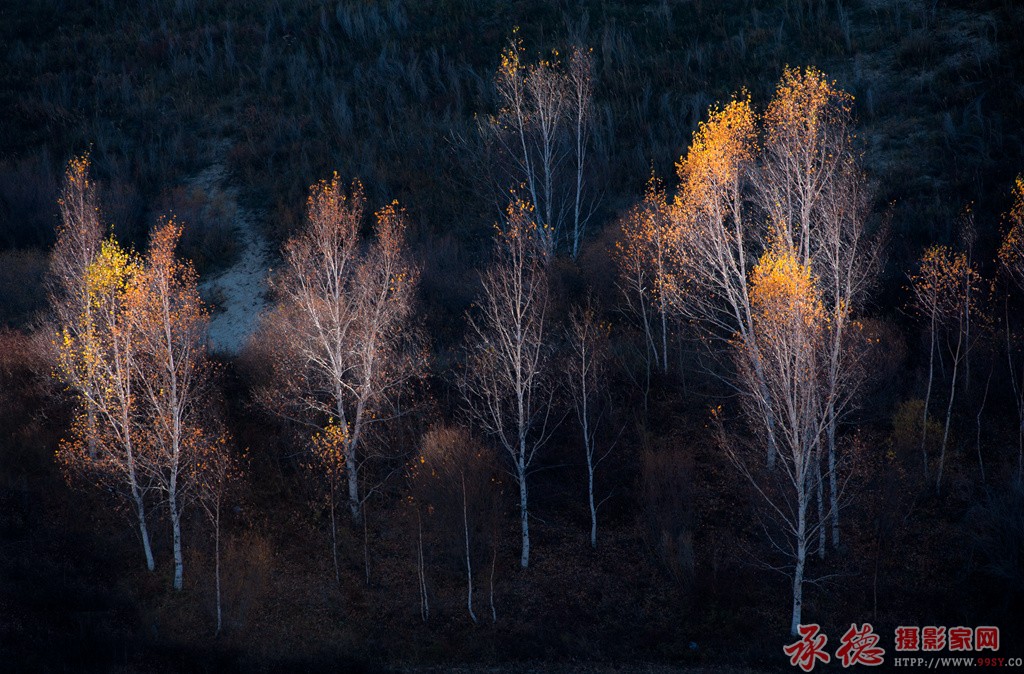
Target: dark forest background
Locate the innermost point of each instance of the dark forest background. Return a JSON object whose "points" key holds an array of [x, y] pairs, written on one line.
{"points": [[284, 92]]}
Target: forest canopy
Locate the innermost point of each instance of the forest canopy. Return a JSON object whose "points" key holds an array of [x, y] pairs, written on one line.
{"points": [[396, 335]]}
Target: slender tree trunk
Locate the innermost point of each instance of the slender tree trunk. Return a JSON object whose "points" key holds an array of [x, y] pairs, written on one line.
{"points": [[137, 496], [582, 95], [819, 489], [494, 558], [590, 497], [421, 569], [353, 481], [831, 422], [527, 162], [334, 538], [927, 396], [652, 349], [524, 513], [216, 557], [140, 509], [664, 341], [176, 530], [351, 464], [773, 447], [577, 233], [588, 448], [981, 409], [949, 413], [798, 572], [552, 228], [745, 321], [366, 546], [469, 564], [91, 435], [833, 487]]}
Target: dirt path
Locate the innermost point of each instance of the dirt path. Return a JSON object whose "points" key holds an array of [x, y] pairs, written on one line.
{"points": [[236, 294]]}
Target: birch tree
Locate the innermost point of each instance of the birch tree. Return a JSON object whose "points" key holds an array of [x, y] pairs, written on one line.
{"points": [[343, 335], [79, 236], [943, 292], [717, 243], [649, 261], [78, 242], [581, 116], [847, 261], [214, 472], [807, 148], [790, 321], [587, 367], [543, 131], [805, 187], [172, 372], [329, 460], [96, 358], [812, 191], [1011, 264], [452, 476], [927, 298], [507, 382]]}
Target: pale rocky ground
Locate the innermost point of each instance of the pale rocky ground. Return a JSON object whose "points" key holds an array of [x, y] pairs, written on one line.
{"points": [[237, 294]]}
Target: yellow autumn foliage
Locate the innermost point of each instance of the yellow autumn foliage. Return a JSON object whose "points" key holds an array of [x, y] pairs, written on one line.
{"points": [[720, 148], [1011, 250], [804, 100], [328, 447], [111, 271], [783, 291]]}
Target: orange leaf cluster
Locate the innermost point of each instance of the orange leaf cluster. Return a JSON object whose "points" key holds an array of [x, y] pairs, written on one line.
{"points": [[784, 291]]}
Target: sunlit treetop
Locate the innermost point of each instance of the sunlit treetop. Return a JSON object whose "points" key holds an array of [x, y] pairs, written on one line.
{"points": [[944, 281], [510, 79], [162, 245], [512, 55], [1011, 251], [646, 227], [391, 224], [77, 171], [165, 280], [521, 220], [1017, 210], [512, 59], [805, 101], [78, 232], [721, 147], [326, 197]]}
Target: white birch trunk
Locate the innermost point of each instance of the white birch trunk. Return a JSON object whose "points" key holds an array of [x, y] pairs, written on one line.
{"points": [[216, 557], [801, 558], [524, 559], [469, 564], [927, 396], [949, 413], [590, 498], [140, 509], [176, 531]]}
